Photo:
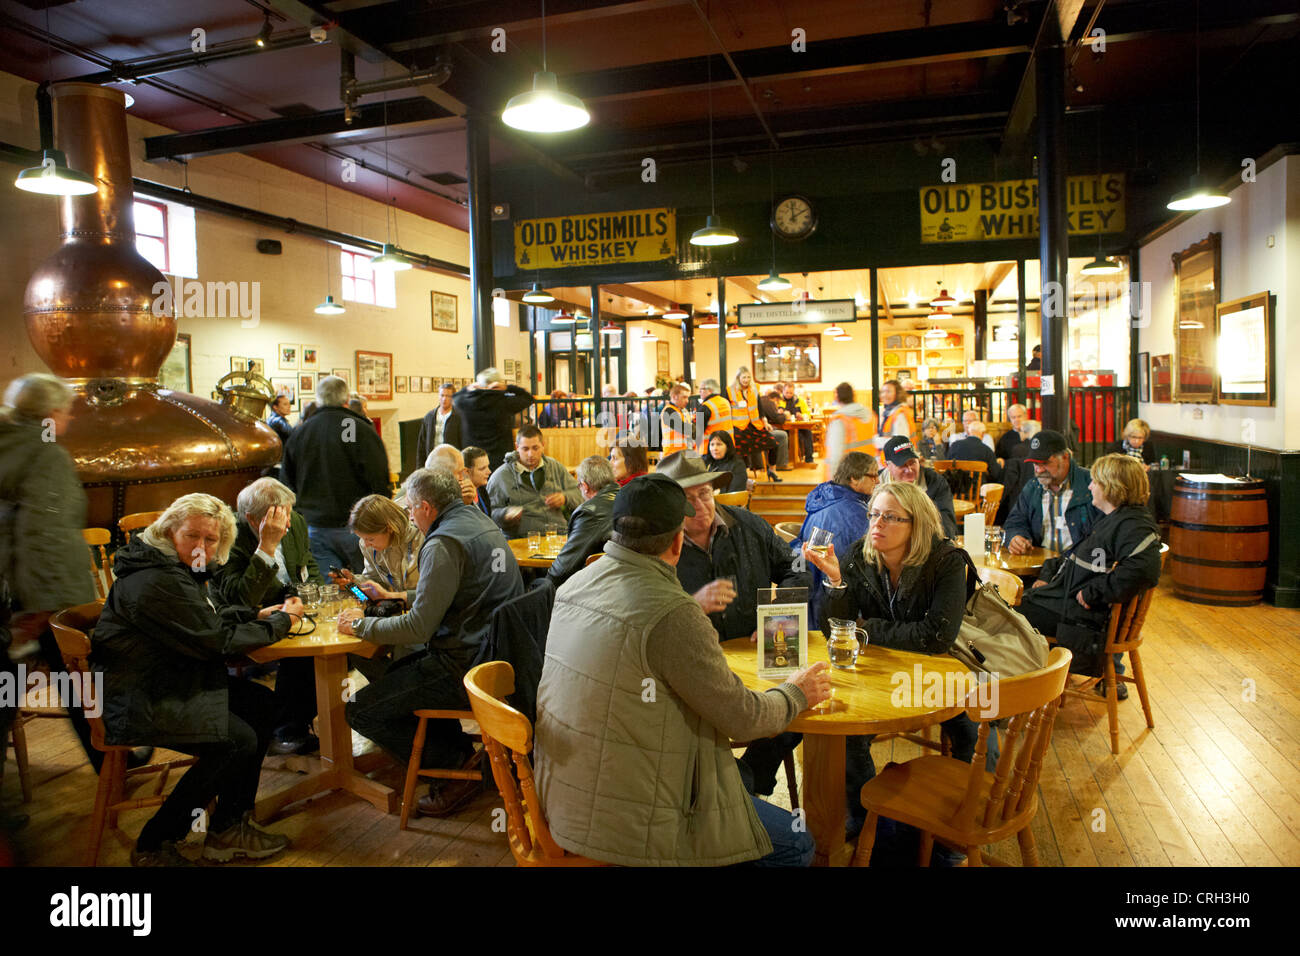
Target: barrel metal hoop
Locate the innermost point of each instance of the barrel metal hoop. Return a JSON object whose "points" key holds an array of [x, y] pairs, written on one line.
{"points": [[1193, 589], [1235, 528], [1212, 496], [1206, 562]]}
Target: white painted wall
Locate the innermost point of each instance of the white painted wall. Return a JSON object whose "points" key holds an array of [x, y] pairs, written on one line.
{"points": [[1269, 207]]}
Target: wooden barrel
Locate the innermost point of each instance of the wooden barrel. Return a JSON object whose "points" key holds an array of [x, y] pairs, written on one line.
{"points": [[1218, 541]]}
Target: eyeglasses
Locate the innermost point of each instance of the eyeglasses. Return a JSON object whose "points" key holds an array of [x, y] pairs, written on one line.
{"points": [[886, 518]]}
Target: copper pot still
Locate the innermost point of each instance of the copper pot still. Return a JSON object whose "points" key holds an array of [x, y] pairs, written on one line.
{"points": [[91, 316]]}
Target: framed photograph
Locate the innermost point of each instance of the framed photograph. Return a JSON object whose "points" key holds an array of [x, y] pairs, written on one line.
{"points": [[308, 357], [289, 386], [1244, 330], [307, 383], [343, 373], [1162, 378], [238, 363], [258, 366], [444, 312], [1197, 281], [288, 358], [661, 358], [175, 372], [426, 383], [375, 375], [782, 632], [399, 384], [798, 358], [1144, 376]]}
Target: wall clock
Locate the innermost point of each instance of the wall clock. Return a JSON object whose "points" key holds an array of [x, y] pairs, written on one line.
{"points": [[793, 218]]}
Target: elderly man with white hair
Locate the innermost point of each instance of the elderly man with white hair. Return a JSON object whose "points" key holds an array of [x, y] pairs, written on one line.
{"points": [[450, 457], [487, 407], [968, 417], [270, 557], [1016, 414], [331, 460]]}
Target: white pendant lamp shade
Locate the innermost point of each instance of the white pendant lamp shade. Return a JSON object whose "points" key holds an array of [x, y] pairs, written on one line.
{"points": [[1198, 196], [677, 312], [735, 332], [713, 234], [53, 177], [391, 259], [709, 323], [834, 331], [545, 108], [774, 283], [934, 332], [609, 328], [943, 300], [1101, 267], [537, 295], [756, 339], [843, 337], [330, 307], [562, 318]]}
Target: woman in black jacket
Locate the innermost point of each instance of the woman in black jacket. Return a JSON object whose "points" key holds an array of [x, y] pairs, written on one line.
{"points": [[1119, 559], [1135, 441], [909, 585], [722, 457], [161, 644]]}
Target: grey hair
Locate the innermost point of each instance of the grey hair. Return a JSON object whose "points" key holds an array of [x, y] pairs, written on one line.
{"points": [[434, 486], [490, 376], [595, 472], [1017, 405], [853, 466], [34, 397], [332, 390], [261, 496], [1029, 428], [445, 456], [711, 384], [930, 423]]}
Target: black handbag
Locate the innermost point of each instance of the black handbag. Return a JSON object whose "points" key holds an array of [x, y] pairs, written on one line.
{"points": [[1086, 644], [388, 607]]}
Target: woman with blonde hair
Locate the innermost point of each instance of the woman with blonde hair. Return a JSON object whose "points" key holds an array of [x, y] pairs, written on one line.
{"points": [[390, 544], [161, 646], [1118, 559], [749, 431], [909, 586], [1135, 441]]}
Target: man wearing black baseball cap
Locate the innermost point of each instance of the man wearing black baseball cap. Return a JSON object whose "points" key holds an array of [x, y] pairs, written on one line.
{"points": [[903, 464], [637, 706], [1056, 510]]}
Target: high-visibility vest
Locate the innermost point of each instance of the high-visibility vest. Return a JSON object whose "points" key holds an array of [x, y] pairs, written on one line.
{"points": [[858, 436], [748, 415], [720, 420], [674, 440]]}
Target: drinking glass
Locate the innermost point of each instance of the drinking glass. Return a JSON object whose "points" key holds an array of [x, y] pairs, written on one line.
{"points": [[534, 542], [843, 645], [552, 540], [329, 599], [310, 595], [819, 541]]}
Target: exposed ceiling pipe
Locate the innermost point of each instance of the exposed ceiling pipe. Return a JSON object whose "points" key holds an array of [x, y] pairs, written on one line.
{"points": [[121, 71], [350, 90]]}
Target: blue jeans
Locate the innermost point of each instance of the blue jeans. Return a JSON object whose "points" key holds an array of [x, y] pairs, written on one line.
{"points": [[335, 548], [790, 847]]}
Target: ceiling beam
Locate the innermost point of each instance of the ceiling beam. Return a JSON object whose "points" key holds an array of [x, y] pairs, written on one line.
{"points": [[994, 273], [884, 296]]}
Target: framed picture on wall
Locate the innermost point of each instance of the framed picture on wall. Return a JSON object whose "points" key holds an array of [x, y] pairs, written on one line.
{"points": [[343, 373], [1162, 378], [175, 372], [798, 358], [307, 383], [399, 384], [289, 386], [1144, 376], [375, 375], [308, 357], [1244, 330], [1197, 281], [661, 358], [238, 363], [257, 366], [444, 312], [426, 383], [288, 357]]}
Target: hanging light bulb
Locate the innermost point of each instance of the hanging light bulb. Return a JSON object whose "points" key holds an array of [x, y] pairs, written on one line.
{"points": [[329, 307], [53, 177], [390, 259], [774, 282], [537, 294], [263, 35], [1101, 267], [735, 332]]}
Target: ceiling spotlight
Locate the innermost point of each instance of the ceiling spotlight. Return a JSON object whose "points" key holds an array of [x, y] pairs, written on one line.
{"points": [[264, 34]]}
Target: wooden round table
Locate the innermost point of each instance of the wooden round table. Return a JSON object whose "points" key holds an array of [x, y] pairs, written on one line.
{"points": [[528, 559], [863, 704], [336, 771], [1025, 565]]}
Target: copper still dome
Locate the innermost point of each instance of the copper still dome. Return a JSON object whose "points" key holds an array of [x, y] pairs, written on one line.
{"points": [[92, 316]]}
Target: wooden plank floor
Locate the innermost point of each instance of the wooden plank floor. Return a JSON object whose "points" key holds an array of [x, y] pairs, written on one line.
{"points": [[1217, 782]]}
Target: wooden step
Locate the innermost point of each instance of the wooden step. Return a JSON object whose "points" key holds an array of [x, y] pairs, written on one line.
{"points": [[785, 488], [775, 503], [774, 518]]}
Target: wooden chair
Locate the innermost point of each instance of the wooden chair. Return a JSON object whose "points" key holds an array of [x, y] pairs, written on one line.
{"points": [[72, 627], [963, 805], [1123, 636], [972, 476], [134, 522], [941, 465], [992, 497], [395, 480], [101, 572], [1009, 585], [787, 531], [414, 772], [505, 728], [593, 558], [737, 499]]}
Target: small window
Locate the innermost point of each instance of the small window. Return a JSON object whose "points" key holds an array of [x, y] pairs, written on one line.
{"points": [[363, 283], [151, 233]]}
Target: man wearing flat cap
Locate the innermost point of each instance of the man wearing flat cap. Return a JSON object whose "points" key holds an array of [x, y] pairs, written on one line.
{"points": [[637, 705], [1055, 511], [902, 464]]}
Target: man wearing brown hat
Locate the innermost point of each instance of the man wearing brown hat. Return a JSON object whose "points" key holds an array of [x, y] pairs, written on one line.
{"points": [[636, 706], [1055, 511], [730, 554], [902, 464]]}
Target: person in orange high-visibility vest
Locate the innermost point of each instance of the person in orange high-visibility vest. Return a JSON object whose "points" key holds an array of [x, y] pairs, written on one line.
{"points": [[714, 414], [749, 430], [895, 416], [851, 428], [677, 425]]}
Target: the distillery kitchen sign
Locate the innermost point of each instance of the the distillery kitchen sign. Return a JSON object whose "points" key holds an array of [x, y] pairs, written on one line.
{"points": [[1009, 210], [596, 239]]}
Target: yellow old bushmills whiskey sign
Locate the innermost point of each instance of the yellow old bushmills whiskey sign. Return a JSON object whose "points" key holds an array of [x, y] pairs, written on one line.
{"points": [[1009, 209], [596, 239]]}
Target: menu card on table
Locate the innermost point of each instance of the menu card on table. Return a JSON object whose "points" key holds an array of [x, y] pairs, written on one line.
{"points": [[782, 631]]}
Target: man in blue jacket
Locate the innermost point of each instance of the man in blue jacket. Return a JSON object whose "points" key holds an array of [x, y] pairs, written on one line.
{"points": [[1056, 511], [840, 507]]}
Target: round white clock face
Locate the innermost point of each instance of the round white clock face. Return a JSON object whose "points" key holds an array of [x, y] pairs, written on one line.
{"points": [[793, 218]]}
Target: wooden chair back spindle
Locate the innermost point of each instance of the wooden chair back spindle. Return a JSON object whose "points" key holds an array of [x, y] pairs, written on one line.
{"points": [[101, 572], [135, 521], [991, 495]]}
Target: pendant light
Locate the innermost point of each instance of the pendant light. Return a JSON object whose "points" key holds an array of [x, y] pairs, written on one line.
{"points": [[53, 177], [649, 336], [676, 311], [834, 331], [1199, 194], [755, 339], [609, 328], [537, 295], [713, 233], [563, 318], [710, 322], [389, 259], [843, 337], [775, 282], [934, 332], [545, 108], [1102, 265], [329, 306], [735, 332], [943, 300]]}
